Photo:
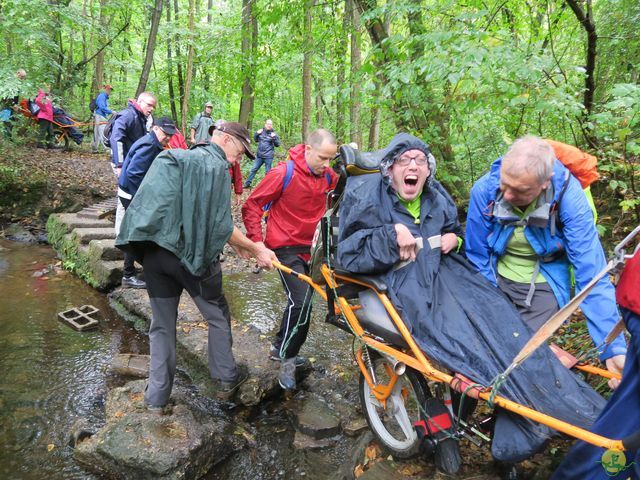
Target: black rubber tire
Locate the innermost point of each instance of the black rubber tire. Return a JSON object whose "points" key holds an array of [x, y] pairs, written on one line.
{"points": [[385, 428]]}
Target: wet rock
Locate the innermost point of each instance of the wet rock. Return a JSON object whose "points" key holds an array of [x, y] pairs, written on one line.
{"points": [[307, 442], [355, 427], [131, 364], [314, 418], [80, 431], [136, 444], [17, 233], [249, 348], [382, 471]]}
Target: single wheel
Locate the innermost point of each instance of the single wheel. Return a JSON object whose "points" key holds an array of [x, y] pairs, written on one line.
{"points": [[392, 424], [61, 139]]}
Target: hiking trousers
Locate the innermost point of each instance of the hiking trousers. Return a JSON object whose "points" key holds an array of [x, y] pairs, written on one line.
{"points": [[98, 132], [257, 163], [297, 314], [166, 279]]}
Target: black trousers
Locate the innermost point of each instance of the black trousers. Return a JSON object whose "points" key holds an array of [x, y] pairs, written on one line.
{"points": [[46, 131], [129, 269], [297, 315]]}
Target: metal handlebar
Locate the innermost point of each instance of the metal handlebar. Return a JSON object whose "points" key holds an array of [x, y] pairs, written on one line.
{"points": [[620, 252]]}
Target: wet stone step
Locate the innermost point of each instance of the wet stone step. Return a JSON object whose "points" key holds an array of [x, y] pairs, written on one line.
{"points": [[314, 418], [93, 213], [85, 235], [71, 220], [105, 249]]}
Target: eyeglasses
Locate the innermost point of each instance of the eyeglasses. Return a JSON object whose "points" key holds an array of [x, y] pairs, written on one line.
{"points": [[235, 142], [420, 160]]}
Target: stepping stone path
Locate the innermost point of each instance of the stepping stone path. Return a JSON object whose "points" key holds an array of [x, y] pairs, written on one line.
{"points": [[86, 243]]}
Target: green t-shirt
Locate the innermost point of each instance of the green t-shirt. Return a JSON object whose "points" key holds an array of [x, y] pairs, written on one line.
{"points": [[413, 207], [513, 265]]}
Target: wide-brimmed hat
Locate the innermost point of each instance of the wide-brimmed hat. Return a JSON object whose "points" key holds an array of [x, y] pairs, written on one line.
{"points": [[238, 131]]}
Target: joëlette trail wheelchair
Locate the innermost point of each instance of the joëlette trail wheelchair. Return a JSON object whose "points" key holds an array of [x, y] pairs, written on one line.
{"points": [[413, 406]]}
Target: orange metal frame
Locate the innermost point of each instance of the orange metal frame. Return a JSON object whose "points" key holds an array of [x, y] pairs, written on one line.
{"points": [[416, 359]]}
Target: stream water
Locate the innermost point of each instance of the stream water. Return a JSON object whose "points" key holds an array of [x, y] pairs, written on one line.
{"points": [[52, 375]]}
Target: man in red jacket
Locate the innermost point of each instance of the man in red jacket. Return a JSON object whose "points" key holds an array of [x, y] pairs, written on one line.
{"points": [[296, 190]]}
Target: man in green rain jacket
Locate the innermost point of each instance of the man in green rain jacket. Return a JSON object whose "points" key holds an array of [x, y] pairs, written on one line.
{"points": [[176, 226]]}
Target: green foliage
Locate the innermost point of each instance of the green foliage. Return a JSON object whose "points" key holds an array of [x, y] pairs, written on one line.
{"points": [[467, 77], [618, 124]]}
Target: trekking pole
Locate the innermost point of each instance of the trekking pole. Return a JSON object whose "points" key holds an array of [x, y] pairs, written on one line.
{"points": [[556, 320]]}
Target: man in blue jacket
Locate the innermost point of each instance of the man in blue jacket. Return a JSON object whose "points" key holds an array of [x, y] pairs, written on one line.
{"points": [[140, 157], [267, 141], [529, 222], [130, 125], [100, 115]]}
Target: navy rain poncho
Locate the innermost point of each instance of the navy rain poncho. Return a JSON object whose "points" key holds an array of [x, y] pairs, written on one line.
{"points": [[455, 315]]}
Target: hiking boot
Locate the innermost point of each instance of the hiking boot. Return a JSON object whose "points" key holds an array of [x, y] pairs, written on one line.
{"points": [[226, 390], [287, 375], [133, 282], [159, 410], [274, 355]]}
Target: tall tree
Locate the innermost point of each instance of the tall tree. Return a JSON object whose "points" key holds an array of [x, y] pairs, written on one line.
{"points": [[151, 46], [306, 67], [98, 78], [176, 10], [585, 17], [187, 81], [249, 52], [341, 77], [172, 94], [355, 131]]}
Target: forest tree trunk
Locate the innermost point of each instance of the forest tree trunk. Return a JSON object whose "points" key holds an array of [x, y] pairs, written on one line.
{"points": [[249, 47], [355, 129], [306, 68], [189, 69], [151, 46]]}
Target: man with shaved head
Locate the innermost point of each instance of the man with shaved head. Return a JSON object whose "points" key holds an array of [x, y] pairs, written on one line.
{"points": [[529, 223], [296, 190]]}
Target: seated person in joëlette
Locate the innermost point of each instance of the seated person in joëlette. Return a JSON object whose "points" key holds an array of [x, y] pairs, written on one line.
{"points": [[455, 315]]}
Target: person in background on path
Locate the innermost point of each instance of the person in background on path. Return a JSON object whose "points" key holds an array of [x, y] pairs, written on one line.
{"points": [[621, 415], [201, 124], [45, 117], [293, 215], [100, 115], [267, 141], [11, 105], [139, 159], [528, 222], [177, 225], [130, 126]]}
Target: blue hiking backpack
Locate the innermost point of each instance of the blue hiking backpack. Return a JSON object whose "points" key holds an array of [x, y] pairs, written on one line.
{"points": [[287, 180]]}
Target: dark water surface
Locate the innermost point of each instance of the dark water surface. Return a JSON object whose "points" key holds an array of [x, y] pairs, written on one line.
{"points": [[50, 374]]}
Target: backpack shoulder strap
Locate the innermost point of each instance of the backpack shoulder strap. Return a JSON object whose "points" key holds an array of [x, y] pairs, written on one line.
{"points": [[556, 223], [288, 175]]}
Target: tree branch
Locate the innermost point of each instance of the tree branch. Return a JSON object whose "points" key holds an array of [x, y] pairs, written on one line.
{"points": [[87, 60]]}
